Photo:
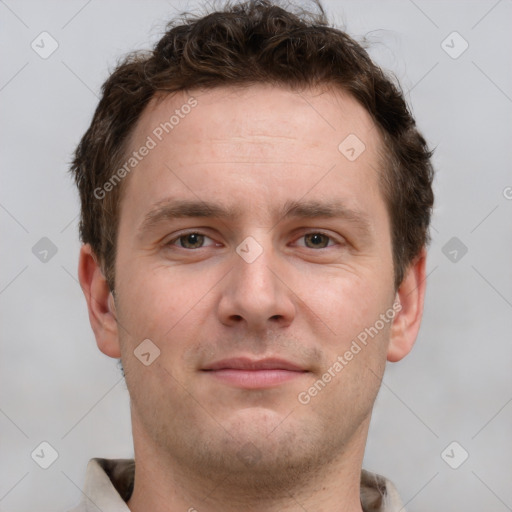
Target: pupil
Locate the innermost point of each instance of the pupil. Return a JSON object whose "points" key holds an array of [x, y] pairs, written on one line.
{"points": [[316, 239], [193, 239]]}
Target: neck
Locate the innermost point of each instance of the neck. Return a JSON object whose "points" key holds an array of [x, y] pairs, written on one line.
{"points": [[163, 484]]}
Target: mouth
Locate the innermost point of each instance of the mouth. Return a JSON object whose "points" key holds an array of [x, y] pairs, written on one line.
{"points": [[254, 374]]}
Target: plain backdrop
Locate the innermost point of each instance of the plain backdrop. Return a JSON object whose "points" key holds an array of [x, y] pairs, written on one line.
{"points": [[55, 385]]}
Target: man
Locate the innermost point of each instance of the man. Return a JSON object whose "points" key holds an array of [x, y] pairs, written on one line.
{"points": [[255, 210]]}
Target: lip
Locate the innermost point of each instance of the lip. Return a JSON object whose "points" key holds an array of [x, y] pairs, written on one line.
{"points": [[245, 363], [254, 374]]}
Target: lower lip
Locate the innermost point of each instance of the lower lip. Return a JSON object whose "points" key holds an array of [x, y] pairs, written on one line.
{"points": [[254, 379]]}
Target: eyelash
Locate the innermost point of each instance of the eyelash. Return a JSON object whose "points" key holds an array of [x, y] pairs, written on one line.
{"points": [[171, 243]]}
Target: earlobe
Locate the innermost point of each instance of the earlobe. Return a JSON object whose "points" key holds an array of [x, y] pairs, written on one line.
{"points": [[100, 302], [410, 297]]}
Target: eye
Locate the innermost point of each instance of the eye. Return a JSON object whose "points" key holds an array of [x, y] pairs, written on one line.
{"points": [[316, 240], [191, 240]]}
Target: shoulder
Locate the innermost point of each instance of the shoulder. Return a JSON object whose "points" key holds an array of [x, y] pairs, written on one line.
{"points": [[378, 494], [108, 482]]}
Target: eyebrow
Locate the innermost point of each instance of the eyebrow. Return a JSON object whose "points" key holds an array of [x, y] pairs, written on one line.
{"points": [[169, 209]]}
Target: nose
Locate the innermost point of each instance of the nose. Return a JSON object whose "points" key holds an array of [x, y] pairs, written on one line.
{"points": [[256, 292]]}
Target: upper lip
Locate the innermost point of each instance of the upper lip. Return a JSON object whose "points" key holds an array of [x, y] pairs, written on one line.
{"points": [[245, 363]]}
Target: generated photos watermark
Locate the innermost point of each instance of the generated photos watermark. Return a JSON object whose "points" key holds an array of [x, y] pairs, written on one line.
{"points": [[357, 345], [157, 135]]}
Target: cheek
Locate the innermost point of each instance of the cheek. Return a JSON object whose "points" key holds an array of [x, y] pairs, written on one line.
{"points": [[161, 302], [346, 302]]}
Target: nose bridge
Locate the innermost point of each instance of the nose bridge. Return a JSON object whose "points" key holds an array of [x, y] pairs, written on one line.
{"points": [[253, 268], [254, 293]]}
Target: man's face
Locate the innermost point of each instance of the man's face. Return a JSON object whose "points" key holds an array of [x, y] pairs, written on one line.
{"points": [[250, 310]]}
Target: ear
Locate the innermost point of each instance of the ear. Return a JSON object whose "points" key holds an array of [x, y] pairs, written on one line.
{"points": [[410, 296], [100, 302]]}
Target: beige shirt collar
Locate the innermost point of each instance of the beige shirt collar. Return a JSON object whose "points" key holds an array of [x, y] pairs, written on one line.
{"points": [[109, 483]]}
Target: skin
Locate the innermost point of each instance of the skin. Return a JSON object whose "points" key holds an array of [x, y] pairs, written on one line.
{"points": [[304, 299]]}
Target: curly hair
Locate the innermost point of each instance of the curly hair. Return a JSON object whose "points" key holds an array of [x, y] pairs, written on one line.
{"points": [[244, 43]]}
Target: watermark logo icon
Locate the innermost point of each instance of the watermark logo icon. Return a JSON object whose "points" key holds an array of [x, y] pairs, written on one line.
{"points": [[146, 352], [44, 455], [44, 250], [351, 147], [249, 454], [454, 45], [454, 455], [249, 250], [44, 45], [454, 249]]}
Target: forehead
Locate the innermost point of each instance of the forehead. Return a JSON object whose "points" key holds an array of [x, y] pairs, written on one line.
{"points": [[306, 116], [257, 141]]}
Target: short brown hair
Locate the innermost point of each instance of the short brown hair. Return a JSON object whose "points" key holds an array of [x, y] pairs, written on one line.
{"points": [[245, 43]]}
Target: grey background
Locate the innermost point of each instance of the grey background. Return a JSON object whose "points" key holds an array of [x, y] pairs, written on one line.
{"points": [[56, 386]]}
